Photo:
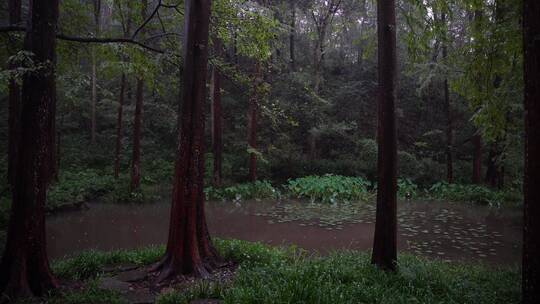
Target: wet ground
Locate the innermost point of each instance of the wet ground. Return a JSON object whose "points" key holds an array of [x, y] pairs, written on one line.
{"points": [[449, 231]]}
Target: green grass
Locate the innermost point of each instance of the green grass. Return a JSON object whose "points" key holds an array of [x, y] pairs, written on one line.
{"points": [[90, 264], [287, 275]]}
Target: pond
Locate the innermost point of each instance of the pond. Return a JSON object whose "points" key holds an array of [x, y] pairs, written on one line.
{"points": [[449, 231]]}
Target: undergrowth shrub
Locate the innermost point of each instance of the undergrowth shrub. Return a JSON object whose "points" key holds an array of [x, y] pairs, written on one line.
{"points": [[330, 188], [257, 190], [77, 186], [470, 193]]}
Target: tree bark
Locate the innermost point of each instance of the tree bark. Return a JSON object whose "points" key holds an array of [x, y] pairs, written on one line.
{"points": [[137, 122], [118, 149], [217, 124], [292, 35], [385, 240], [97, 19], [253, 109], [189, 249], [531, 230], [14, 7], [477, 159], [24, 269], [448, 109]]}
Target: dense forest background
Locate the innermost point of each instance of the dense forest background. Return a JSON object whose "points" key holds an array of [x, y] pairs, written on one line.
{"points": [[305, 72]]}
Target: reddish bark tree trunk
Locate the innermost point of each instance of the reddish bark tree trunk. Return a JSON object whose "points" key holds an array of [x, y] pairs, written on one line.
{"points": [[14, 100], [24, 269], [385, 240], [492, 170], [189, 249], [253, 109], [118, 149], [531, 203], [217, 126], [137, 122], [477, 159]]}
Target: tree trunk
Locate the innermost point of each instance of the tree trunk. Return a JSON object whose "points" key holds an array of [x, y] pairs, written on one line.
{"points": [[292, 35], [97, 19], [531, 231], [24, 269], [253, 109], [118, 149], [448, 108], [319, 60], [385, 240], [189, 249], [137, 122], [217, 126], [492, 170], [477, 159], [14, 100]]}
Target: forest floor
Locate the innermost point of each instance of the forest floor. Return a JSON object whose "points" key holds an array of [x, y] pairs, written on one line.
{"points": [[265, 274]]}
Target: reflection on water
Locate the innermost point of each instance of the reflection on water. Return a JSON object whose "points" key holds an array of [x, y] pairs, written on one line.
{"points": [[443, 230]]}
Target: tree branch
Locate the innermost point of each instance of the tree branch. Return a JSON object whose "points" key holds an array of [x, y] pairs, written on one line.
{"points": [[15, 28]]}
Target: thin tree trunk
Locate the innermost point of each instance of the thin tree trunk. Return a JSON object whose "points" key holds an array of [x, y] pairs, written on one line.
{"points": [[448, 108], [492, 170], [24, 269], [217, 125], [189, 248], [14, 100], [97, 19], [253, 109], [385, 240], [292, 35], [119, 117], [137, 122], [477, 159], [531, 224]]}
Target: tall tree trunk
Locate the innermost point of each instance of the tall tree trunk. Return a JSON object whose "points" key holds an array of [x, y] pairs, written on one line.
{"points": [[385, 240], [14, 100], [477, 159], [24, 269], [97, 19], [448, 109], [318, 60], [292, 35], [118, 149], [189, 248], [253, 109], [531, 202], [217, 124], [137, 122]]}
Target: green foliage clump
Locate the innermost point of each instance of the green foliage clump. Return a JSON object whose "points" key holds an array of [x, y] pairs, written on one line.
{"points": [[349, 277], [90, 264], [78, 186], [407, 188], [330, 188], [257, 190], [469, 193]]}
